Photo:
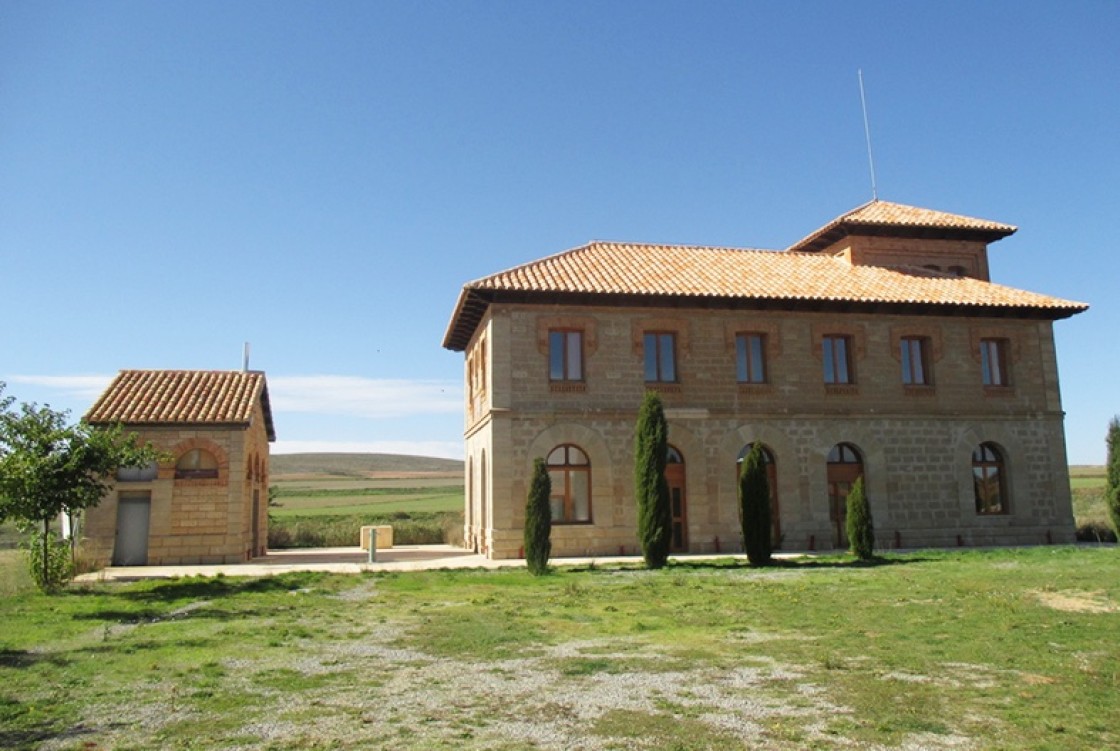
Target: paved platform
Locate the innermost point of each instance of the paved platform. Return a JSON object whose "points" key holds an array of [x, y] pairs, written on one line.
{"points": [[351, 561]]}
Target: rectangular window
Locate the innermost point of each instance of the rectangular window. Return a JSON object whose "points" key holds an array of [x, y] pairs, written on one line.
{"points": [[836, 352], [993, 362], [915, 361], [660, 357], [750, 358], [565, 355]]}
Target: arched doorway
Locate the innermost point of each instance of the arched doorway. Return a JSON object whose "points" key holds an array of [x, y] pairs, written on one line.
{"points": [[845, 466], [678, 501], [483, 521], [772, 480], [469, 531]]}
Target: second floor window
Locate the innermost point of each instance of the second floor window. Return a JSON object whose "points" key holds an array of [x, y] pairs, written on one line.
{"points": [[836, 353], [993, 362], [660, 357], [565, 355], [915, 361], [750, 358]]}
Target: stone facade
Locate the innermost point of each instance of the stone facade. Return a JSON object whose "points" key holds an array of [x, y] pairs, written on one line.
{"points": [[916, 443]]}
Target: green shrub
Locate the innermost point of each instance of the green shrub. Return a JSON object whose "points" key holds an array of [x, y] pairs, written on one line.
{"points": [[1112, 467], [538, 520], [861, 529], [754, 507], [415, 528], [651, 450], [58, 569]]}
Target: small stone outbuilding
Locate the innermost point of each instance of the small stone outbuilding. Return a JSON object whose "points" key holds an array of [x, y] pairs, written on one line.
{"points": [[207, 503]]}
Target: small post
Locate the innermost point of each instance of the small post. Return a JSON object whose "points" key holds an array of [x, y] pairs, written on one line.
{"points": [[373, 546], [812, 542], [716, 542]]}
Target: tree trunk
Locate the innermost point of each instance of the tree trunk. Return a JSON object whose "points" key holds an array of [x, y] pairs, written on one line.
{"points": [[46, 549]]}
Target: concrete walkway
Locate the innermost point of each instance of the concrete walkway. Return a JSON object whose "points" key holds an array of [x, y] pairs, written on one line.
{"points": [[351, 561]]}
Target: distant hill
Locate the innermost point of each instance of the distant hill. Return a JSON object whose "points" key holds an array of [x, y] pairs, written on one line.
{"points": [[359, 465]]}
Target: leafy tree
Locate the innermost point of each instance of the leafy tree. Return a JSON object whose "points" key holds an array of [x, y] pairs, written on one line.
{"points": [[48, 468], [754, 507], [651, 451], [1112, 466], [538, 520], [861, 530]]}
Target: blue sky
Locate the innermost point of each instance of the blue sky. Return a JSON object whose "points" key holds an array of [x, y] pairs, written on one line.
{"points": [[320, 179]]}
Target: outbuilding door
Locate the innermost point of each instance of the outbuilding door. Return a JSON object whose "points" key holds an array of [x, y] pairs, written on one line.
{"points": [[133, 512]]}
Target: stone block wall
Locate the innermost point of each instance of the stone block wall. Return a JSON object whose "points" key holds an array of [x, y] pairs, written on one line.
{"points": [[194, 520], [916, 441]]}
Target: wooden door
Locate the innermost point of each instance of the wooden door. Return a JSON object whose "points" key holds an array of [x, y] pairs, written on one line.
{"points": [[678, 502], [845, 465]]}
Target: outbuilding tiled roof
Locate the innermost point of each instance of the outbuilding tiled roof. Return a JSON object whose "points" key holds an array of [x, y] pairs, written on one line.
{"points": [[183, 397], [877, 215], [679, 271]]}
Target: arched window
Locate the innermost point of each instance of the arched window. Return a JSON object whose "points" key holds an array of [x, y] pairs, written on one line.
{"points": [[845, 466], [569, 471], [196, 464], [772, 480], [988, 484]]}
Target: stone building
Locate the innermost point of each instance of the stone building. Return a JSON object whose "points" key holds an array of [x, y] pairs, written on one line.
{"points": [[876, 346], [208, 503]]}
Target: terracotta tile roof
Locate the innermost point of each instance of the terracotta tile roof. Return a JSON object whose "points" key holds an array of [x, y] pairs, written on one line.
{"points": [[183, 397], [881, 214], [627, 269]]}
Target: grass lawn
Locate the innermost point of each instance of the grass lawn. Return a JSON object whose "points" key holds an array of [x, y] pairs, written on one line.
{"points": [[1010, 649]]}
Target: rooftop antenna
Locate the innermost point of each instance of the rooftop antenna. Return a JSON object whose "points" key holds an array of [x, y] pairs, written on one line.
{"points": [[245, 358], [867, 133]]}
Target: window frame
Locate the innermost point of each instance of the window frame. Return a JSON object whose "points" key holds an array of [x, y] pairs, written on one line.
{"points": [[831, 360], [197, 472], [751, 367], [915, 350], [994, 351], [662, 356], [565, 336], [988, 464], [568, 469]]}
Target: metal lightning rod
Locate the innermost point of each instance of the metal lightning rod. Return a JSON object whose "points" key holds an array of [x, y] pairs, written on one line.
{"points": [[867, 133]]}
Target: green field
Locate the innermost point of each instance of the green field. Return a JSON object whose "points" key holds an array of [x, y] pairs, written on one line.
{"points": [[939, 651], [359, 498], [422, 499]]}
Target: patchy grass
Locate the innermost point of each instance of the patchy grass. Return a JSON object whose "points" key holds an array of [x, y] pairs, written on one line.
{"points": [[1009, 649], [14, 577]]}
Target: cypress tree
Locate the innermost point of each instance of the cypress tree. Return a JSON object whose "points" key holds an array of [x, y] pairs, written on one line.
{"points": [[1112, 466], [651, 447], [861, 530], [754, 507], [538, 520]]}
